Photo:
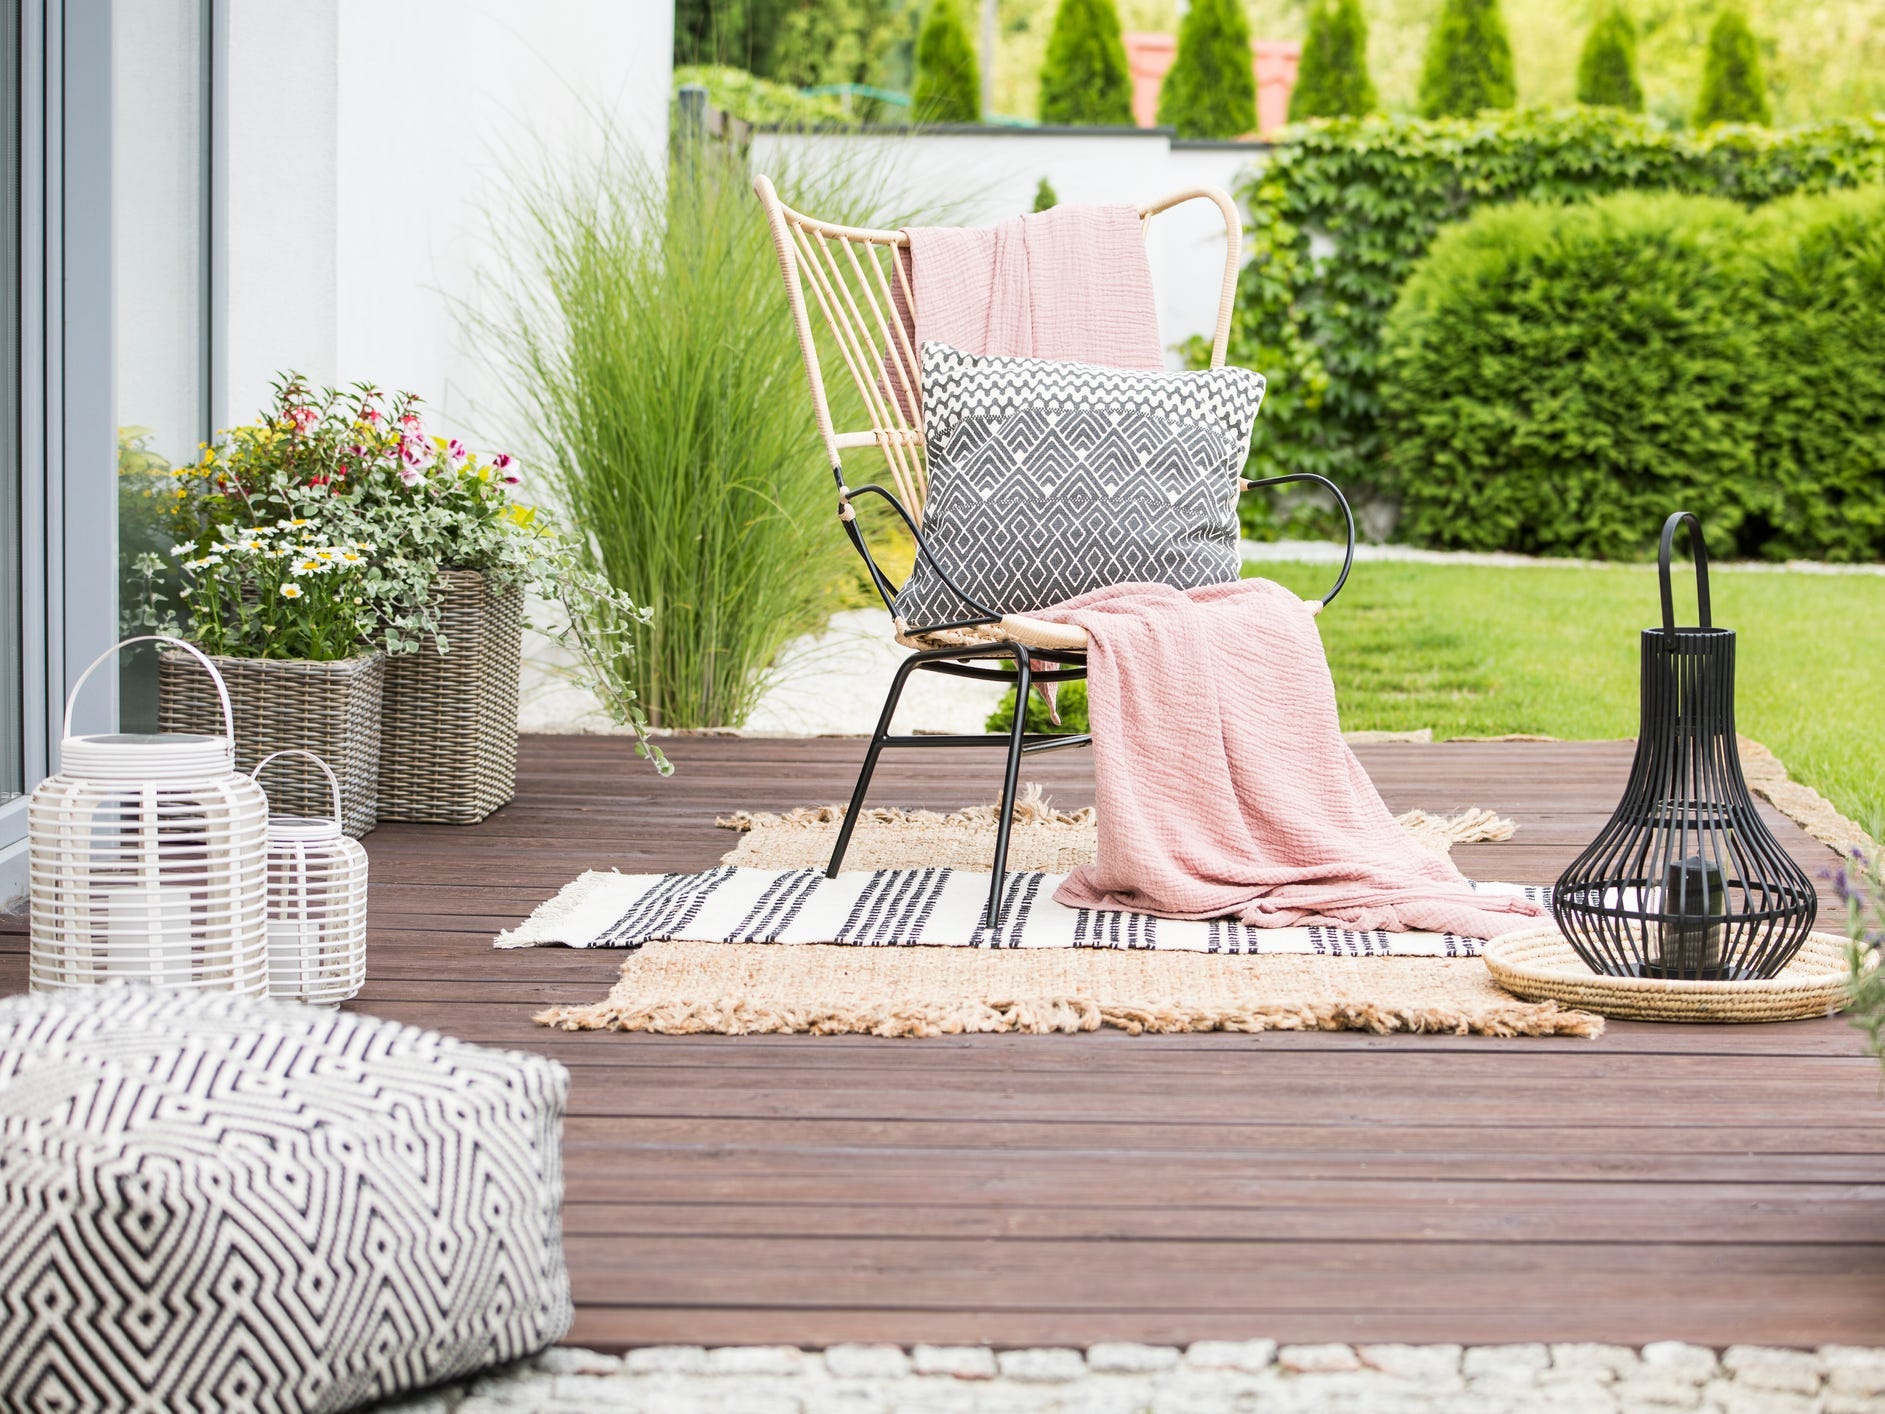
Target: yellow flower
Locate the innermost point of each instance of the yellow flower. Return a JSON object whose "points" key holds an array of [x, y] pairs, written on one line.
{"points": [[291, 591]]}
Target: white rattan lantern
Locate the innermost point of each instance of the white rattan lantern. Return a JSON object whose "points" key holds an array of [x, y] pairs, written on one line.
{"points": [[149, 860], [317, 903]]}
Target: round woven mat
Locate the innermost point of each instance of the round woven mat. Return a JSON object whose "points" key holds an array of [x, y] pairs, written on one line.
{"points": [[1540, 965]]}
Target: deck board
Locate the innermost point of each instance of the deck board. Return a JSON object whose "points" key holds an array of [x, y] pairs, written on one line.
{"points": [[1717, 1184]]}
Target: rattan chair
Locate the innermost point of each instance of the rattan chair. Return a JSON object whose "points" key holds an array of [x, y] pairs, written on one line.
{"points": [[851, 273]]}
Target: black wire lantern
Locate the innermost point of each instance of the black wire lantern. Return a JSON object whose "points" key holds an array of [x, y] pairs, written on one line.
{"points": [[1685, 881]]}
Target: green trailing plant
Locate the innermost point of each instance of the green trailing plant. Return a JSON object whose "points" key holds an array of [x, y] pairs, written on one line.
{"points": [[1070, 702], [1045, 197], [654, 356], [1084, 79], [1332, 80], [1556, 377], [1606, 70], [1860, 883], [948, 82], [1211, 89], [1733, 87], [1469, 61], [1345, 209]]}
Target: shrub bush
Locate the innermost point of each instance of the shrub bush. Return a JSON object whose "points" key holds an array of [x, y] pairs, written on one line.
{"points": [[1211, 89], [1345, 208], [1606, 70], [1469, 61], [948, 83], [1557, 379], [1733, 89], [1332, 80], [762, 102], [1084, 79]]}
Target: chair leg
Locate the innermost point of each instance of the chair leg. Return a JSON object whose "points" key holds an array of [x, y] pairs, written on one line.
{"points": [[870, 765], [1010, 783]]}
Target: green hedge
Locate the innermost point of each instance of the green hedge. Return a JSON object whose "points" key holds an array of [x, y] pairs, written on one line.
{"points": [[1378, 189], [1557, 379]]}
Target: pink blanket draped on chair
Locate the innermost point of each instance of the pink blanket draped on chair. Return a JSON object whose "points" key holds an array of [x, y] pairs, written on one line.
{"points": [[1225, 788], [1072, 282]]}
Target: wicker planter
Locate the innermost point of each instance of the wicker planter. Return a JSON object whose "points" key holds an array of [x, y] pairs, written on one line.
{"points": [[448, 751], [284, 704]]}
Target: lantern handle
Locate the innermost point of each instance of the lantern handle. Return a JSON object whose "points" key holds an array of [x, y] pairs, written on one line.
{"points": [[333, 782], [1699, 548], [222, 690]]}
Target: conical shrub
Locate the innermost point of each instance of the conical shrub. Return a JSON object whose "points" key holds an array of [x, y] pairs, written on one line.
{"points": [[1084, 79], [1469, 62], [1332, 81], [1211, 90], [1606, 70], [948, 84], [1733, 88]]}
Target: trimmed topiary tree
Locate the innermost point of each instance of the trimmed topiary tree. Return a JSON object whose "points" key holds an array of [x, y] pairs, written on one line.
{"points": [[1084, 80], [1469, 62], [948, 85], [1045, 197], [1606, 71], [1332, 80], [1211, 90], [1733, 89]]}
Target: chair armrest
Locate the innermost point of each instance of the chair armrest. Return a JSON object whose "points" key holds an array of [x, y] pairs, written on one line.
{"points": [[1348, 515], [885, 590]]}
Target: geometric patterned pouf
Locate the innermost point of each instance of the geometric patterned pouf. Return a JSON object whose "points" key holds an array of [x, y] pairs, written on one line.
{"points": [[210, 1202]]}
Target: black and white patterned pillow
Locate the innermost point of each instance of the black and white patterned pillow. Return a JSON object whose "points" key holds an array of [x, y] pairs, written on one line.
{"points": [[1049, 479]]}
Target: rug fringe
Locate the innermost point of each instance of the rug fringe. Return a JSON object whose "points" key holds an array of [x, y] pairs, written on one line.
{"points": [[1032, 807], [541, 926], [1065, 1014], [1467, 827]]}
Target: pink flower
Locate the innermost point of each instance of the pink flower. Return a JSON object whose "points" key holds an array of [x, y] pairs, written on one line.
{"points": [[305, 419], [505, 465], [371, 414], [415, 452], [411, 476], [455, 449], [412, 424]]}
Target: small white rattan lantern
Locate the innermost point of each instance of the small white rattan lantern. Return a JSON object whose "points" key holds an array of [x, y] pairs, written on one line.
{"points": [[149, 860], [317, 903]]}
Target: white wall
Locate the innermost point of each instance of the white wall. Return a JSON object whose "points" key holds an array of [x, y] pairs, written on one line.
{"points": [[369, 141], [979, 176]]}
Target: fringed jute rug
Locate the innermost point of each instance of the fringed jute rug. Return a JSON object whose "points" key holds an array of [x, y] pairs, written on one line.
{"points": [[898, 948]]}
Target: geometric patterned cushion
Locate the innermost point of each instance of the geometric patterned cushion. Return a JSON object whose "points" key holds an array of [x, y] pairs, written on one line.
{"points": [[211, 1202], [1048, 479]]}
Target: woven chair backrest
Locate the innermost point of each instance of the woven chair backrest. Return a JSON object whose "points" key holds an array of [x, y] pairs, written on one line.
{"points": [[858, 286]]}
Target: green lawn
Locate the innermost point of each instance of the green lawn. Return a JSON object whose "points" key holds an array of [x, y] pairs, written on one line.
{"points": [[1476, 651]]}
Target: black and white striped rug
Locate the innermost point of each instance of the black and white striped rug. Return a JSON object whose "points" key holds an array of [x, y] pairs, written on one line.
{"points": [[916, 908]]}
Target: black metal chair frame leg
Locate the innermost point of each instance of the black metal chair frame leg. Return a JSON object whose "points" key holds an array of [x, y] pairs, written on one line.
{"points": [[956, 661]]}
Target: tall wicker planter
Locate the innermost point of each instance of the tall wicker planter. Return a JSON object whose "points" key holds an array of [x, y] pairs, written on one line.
{"points": [[448, 751], [285, 704]]}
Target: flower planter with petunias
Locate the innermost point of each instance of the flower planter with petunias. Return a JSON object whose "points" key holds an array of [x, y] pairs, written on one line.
{"points": [[365, 579]]}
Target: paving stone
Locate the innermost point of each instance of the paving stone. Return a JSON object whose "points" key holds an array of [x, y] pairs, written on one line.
{"points": [[571, 1360], [1853, 1370], [1318, 1359], [1674, 1357], [755, 1360], [1764, 1367], [1251, 1355], [1041, 1366], [1125, 1357], [667, 1360], [867, 1362], [1734, 1397], [1512, 1362], [1420, 1363], [965, 1362], [1835, 1402], [1586, 1358], [1658, 1389]]}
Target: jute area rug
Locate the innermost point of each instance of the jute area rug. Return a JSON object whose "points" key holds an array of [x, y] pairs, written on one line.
{"points": [[766, 944]]}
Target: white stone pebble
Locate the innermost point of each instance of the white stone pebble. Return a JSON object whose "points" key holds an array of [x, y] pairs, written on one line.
{"points": [[1043, 1366], [755, 1360], [965, 1362], [1125, 1357], [1248, 1355], [1784, 1371]]}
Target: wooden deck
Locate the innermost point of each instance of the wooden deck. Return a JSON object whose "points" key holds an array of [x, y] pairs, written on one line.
{"points": [[1709, 1184]]}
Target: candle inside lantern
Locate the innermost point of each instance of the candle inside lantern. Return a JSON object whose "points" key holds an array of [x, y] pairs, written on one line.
{"points": [[148, 939], [1693, 904]]}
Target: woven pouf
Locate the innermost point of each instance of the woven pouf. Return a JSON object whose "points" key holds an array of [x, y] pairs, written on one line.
{"points": [[1540, 965], [211, 1202]]}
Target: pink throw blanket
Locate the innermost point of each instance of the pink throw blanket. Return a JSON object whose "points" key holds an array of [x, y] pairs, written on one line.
{"points": [[1072, 282], [1225, 787]]}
